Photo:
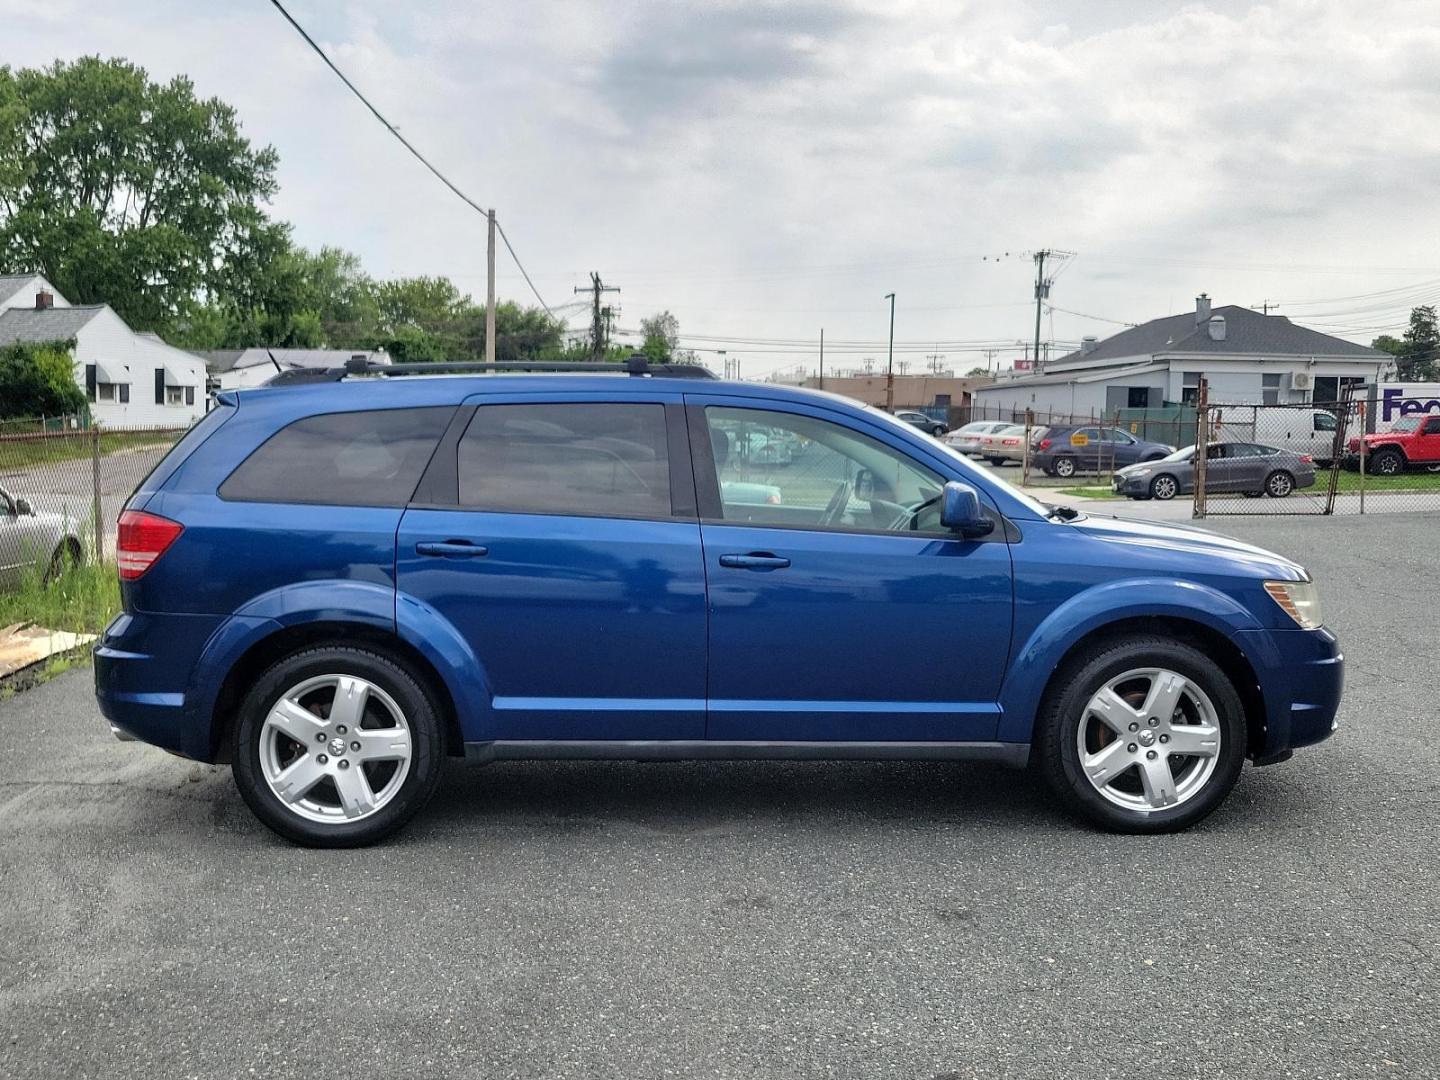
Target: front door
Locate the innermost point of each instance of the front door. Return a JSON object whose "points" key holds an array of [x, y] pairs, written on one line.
{"points": [[561, 541], [840, 610]]}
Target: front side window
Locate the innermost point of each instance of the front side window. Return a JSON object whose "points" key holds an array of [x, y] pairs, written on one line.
{"points": [[1324, 422], [785, 469], [592, 459], [370, 458], [1432, 426]]}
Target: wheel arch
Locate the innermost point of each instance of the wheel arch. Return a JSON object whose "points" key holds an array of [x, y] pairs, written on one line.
{"points": [[1071, 631], [284, 640]]}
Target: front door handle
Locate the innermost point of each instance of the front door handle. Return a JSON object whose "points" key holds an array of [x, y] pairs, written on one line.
{"points": [[756, 560], [451, 549]]}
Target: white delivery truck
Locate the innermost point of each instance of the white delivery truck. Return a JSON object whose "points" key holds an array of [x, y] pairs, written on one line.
{"points": [[1297, 428]]}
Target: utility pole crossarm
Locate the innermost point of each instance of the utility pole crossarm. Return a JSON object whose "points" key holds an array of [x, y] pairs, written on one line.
{"points": [[598, 316]]}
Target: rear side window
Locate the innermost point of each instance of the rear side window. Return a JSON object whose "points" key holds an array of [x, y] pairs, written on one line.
{"points": [[371, 458], [594, 459]]}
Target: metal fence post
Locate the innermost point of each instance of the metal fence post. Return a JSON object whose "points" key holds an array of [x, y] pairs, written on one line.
{"points": [[1202, 445], [1363, 455], [1025, 448], [95, 487]]}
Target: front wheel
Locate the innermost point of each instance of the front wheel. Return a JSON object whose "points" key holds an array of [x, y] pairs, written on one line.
{"points": [[337, 746], [1146, 735], [1164, 487], [1387, 462]]}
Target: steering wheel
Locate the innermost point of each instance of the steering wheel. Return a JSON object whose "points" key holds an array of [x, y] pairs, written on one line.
{"points": [[839, 503]]}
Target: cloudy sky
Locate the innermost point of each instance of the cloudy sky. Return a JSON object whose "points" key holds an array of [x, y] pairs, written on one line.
{"points": [[766, 169]]}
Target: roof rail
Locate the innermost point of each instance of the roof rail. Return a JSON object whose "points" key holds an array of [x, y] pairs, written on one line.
{"points": [[637, 365]]}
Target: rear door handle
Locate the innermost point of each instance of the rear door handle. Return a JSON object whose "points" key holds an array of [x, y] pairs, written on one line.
{"points": [[756, 560], [451, 549]]}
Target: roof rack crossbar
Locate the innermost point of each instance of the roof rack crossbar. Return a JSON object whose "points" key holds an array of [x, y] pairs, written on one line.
{"points": [[636, 365]]}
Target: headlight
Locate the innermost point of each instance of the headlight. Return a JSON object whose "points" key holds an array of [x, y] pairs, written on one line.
{"points": [[1299, 599]]}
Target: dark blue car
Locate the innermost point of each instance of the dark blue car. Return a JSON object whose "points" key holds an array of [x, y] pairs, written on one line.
{"points": [[1064, 451], [335, 586]]}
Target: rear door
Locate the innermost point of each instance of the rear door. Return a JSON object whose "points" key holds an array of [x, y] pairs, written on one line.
{"points": [[558, 534], [840, 610]]}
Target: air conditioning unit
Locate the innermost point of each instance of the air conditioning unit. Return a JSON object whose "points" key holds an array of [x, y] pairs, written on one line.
{"points": [[1301, 380]]}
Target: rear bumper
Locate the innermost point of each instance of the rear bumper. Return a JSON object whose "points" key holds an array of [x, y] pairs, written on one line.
{"points": [[1302, 678]]}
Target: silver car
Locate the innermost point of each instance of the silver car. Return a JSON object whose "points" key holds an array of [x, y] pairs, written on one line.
{"points": [[1248, 468], [967, 439], [29, 539]]}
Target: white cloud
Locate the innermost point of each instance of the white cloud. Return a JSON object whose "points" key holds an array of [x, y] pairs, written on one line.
{"points": [[763, 169]]}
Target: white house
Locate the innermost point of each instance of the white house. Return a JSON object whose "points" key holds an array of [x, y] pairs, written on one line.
{"points": [[236, 369], [1244, 356], [131, 379]]}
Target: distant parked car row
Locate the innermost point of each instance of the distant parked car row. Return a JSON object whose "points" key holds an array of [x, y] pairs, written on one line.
{"points": [[1058, 450]]}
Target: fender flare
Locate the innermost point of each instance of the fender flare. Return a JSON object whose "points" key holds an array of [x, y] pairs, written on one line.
{"points": [[362, 603], [1045, 649]]}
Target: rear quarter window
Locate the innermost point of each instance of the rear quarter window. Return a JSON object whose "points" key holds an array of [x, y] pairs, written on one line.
{"points": [[368, 458]]}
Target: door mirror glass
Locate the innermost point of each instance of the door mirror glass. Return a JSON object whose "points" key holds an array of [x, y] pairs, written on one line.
{"points": [[960, 510]]}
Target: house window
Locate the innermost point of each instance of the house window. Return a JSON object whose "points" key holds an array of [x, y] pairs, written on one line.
{"points": [[1270, 389], [104, 391], [1190, 387], [174, 395], [1137, 397]]}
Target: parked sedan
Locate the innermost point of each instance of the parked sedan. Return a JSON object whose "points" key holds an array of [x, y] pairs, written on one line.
{"points": [[1064, 451], [1248, 468], [927, 424], [29, 539], [1007, 444], [967, 439]]}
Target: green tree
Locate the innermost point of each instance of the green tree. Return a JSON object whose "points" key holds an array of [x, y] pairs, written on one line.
{"points": [[131, 192], [660, 336], [1419, 357], [38, 380], [978, 373]]}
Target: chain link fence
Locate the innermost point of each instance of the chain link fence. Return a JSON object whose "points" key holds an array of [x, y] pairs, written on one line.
{"points": [[1315, 458], [61, 472]]}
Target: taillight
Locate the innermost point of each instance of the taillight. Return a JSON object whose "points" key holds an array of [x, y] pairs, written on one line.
{"points": [[773, 499], [1044, 444], [143, 538], [1306, 459]]}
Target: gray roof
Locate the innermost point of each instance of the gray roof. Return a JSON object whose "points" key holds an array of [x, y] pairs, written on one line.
{"points": [[50, 324], [10, 284], [1246, 331]]}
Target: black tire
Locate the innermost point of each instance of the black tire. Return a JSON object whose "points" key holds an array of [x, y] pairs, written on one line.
{"points": [[995, 460], [1253, 494], [1279, 484], [68, 555], [1387, 461], [1056, 754], [1163, 490], [420, 711], [1064, 467]]}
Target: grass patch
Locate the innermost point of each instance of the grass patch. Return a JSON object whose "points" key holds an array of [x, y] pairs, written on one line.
{"points": [[82, 600], [1349, 482], [72, 446], [1089, 492]]}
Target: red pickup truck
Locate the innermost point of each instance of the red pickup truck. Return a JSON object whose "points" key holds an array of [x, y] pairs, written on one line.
{"points": [[1413, 442]]}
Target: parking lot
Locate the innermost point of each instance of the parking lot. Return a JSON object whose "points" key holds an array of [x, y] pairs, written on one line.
{"points": [[749, 920]]}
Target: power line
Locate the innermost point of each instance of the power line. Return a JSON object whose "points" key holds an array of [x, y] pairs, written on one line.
{"points": [[407, 144]]}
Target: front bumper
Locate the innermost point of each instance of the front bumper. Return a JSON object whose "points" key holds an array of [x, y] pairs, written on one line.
{"points": [[1132, 485], [1302, 677]]}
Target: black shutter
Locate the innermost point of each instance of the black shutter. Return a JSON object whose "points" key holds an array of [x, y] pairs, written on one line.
{"points": [[189, 395], [124, 393], [159, 386], [90, 381]]}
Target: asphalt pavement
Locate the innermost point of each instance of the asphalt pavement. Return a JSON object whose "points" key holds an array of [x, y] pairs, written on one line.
{"points": [[749, 920]]}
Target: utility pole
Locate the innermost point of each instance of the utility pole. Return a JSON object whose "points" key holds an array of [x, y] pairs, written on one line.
{"points": [[1042, 293], [822, 358], [1265, 306], [890, 362], [490, 288], [597, 316], [989, 356], [935, 359]]}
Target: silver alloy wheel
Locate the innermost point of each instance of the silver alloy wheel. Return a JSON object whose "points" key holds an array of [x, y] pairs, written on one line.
{"points": [[1164, 487], [1279, 485], [1064, 467], [1149, 740], [335, 748]]}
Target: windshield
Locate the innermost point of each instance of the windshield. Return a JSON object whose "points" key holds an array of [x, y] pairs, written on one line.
{"points": [[1185, 453], [1406, 423]]}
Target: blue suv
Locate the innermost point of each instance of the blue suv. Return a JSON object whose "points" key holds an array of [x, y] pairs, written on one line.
{"points": [[333, 587]]}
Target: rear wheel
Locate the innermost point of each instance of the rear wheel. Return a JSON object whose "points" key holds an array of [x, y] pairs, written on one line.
{"points": [[1147, 735], [1387, 461], [1164, 487], [337, 746], [1279, 484], [995, 460]]}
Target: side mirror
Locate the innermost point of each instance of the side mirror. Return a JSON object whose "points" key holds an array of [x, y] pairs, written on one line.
{"points": [[23, 508], [960, 510]]}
